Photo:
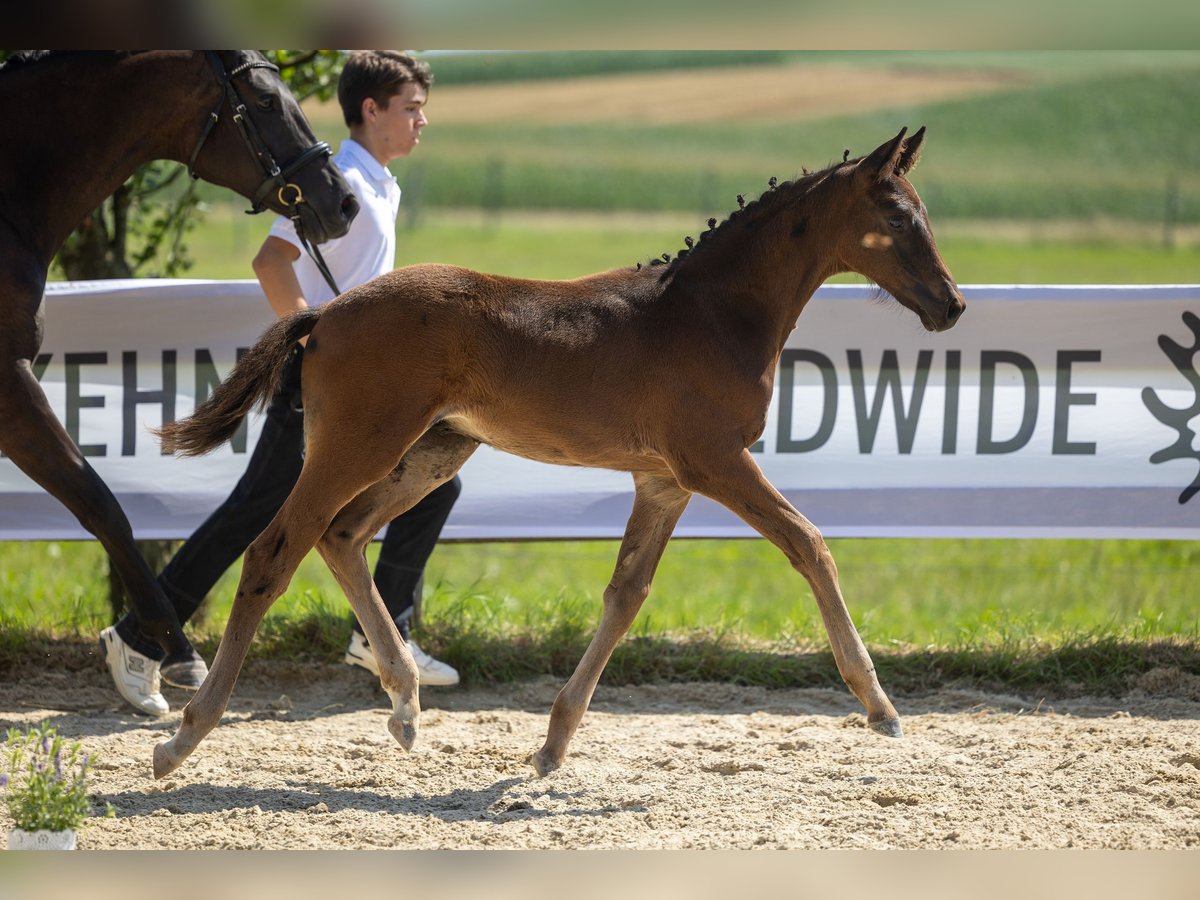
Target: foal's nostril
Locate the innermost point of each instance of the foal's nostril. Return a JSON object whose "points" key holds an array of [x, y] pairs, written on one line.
{"points": [[954, 309]]}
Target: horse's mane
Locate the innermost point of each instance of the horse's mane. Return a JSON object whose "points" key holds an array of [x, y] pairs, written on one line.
{"points": [[24, 59], [747, 214]]}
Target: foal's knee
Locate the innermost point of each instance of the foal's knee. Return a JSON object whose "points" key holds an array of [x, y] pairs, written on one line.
{"points": [[262, 575], [338, 545], [810, 555], [624, 600]]}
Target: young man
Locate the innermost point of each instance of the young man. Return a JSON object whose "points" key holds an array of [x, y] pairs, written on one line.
{"points": [[382, 94]]}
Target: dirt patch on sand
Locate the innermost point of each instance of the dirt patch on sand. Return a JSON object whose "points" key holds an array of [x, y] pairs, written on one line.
{"points": [[303, 760]]}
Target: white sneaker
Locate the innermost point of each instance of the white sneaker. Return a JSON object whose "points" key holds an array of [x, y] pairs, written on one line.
{"points": [[433, 672], [359, 654], [136, 676]]}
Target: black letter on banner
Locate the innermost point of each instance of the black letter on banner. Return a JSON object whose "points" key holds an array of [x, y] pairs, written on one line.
{"points": [[889, 378], [950, 408], [1064, 400], [207, 379], [784, 442], [988, 360], [134, 398], [72, 362]]}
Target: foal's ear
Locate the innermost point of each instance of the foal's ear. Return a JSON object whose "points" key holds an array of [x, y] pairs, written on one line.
{"points": [[911, 154], [882, 163]]}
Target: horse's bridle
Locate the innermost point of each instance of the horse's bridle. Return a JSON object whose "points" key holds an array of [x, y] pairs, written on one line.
{"points": [[275, 177]]}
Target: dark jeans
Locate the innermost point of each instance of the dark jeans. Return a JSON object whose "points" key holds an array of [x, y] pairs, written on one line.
{"points": [[270, 475]]}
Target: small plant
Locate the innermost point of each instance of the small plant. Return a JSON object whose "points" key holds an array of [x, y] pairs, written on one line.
{"points": [[46, 781]]}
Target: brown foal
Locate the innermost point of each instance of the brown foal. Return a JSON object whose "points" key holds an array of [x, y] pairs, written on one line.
{"points": [[664, 371]]}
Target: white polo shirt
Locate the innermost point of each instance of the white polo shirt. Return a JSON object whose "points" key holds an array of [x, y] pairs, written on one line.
{"points": [[368, 249]]}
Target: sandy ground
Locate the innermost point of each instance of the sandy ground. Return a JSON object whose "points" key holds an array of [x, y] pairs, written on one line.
{"points": [[303, 760]]}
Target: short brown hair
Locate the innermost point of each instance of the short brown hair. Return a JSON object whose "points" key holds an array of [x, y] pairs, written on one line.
{"points": [[380, 75]]}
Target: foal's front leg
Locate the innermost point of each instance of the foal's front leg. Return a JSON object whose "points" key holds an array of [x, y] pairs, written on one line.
{"points": [[740, 485], [657, 506], [397, 671]]}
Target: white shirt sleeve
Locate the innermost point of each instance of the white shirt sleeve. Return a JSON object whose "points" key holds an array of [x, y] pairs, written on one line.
{"points": [[283, 229]]}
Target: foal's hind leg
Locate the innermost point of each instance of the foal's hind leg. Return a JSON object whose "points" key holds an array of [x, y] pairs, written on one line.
{"points": [[740, 485], [328, 481], [657, 506], [431, 462]]}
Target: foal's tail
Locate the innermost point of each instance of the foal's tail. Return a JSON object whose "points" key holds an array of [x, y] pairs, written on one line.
{"points": [[253, 381]]}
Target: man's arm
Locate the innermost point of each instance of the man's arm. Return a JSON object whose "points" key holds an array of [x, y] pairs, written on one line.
{"points": [[273, 266]]}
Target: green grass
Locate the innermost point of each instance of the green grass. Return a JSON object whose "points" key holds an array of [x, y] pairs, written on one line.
{"points": [[475, 68], [1027, 614], [1076, 136], [1104, 145], [565, 245]]}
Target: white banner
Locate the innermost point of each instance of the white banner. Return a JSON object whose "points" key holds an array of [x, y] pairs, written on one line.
{"points": [[1056, 411]]}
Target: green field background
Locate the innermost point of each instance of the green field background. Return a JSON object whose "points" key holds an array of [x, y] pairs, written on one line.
{"points": [[1086, 170]]}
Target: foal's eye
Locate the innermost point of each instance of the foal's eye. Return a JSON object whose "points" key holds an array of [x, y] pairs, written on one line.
{"points": [[896, 223]]}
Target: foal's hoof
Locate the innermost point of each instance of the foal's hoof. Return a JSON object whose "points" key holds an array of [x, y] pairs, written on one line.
{"points": [[543, 764], [889, 727], [188, 674], [405, 733], [164, 762]]}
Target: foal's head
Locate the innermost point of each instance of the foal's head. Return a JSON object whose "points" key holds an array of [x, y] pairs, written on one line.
{"points": [[887, 236]]}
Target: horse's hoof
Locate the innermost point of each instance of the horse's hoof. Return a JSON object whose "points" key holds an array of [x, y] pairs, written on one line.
{"points": [[889, 727], [164, 763], [405, 733], [187, 674], [543, 764]]}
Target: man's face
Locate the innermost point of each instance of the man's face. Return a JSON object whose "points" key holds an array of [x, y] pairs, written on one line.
{"points": [[398, 127]]}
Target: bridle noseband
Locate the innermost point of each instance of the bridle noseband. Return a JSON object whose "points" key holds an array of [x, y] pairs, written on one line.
{"points": [[275, 177]]}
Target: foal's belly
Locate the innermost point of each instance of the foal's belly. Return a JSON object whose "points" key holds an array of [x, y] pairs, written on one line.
{"points": [[567, 447]]}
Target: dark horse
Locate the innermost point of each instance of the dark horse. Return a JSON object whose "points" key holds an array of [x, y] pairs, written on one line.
{"points": [[78, 124], [663, 371]]}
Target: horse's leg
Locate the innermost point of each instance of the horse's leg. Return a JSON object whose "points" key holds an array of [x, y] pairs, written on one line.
{"points": [[432, 461], [658, 503], [41, 448], [740, 485], [331, 477]]}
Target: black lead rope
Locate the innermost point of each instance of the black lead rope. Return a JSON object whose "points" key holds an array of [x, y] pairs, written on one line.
{"points": [[315, 255], [310, 248]]}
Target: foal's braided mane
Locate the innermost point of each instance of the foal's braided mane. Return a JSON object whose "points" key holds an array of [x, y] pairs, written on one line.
{"points": [[746, 214]]}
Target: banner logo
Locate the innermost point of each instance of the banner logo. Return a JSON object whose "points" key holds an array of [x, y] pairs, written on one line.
{"points": [[1184, 359]]}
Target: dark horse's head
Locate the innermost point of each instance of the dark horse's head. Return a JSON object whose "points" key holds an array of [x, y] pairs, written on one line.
{"points": [[258, 143], [889, 239]]}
